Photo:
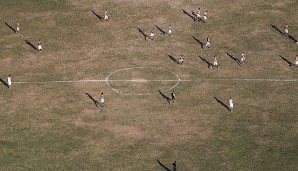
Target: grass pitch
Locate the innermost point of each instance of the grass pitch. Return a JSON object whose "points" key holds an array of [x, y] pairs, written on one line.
{"points": [[56, 126]]}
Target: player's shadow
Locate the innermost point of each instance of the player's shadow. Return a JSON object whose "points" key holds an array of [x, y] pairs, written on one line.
{"points": [[142, 32], [276, 28], [96, 103], [14, 30], [163, 166], [222, 103], [4, 82], [173, 59], [293, 38], [165, 97], [234, 58], [161, 30], [30, 44], [98, 16], [197, 40], [207, 62], [286, 60], [188, 14]]}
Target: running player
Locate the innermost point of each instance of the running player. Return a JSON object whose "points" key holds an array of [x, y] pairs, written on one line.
{"points": [[173, 95], [106, 17], [286, 27], [208, 42], [215, 63]]}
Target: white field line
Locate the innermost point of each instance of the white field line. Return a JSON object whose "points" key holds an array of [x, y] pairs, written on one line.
{"points": [[144, 81]]}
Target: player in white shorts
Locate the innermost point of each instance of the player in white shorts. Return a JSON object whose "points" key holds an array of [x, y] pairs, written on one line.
{"points": [[205, 16], [231, 104], [9, 81], [181, 60], [215, 63], [286, 30], [198, 15], [242, 58], [173, 96], [102, 100], [18, 28], [296, 60], [152, 36], [208, 42], [39, 47], [170, 31], [106, 17]]}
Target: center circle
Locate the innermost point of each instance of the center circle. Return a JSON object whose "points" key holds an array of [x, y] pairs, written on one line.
{"points": [[142, 80]]}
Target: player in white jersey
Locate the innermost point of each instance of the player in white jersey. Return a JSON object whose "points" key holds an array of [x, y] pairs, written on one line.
{"points": [[9, 81], [170, 30], [215, 63], [205, 16], [39, 46], [152, 36], [198, 15], [106, 17], [231, 104], [242, 58], [296, 60], [18, 27], [102, 100], [181, 60]]}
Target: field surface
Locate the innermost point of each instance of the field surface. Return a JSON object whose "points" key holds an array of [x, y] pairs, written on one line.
{"points": [[49, 119]]}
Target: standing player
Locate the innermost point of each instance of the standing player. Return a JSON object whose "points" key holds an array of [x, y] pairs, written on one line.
{"points": [[39, 47], [170, 31], [152, 36], [18, 28], [231, 104], [173, 95], [181, 60], [174, 166], [286, 27], [242, 58], [215, 63], [208, 42], [106, 17], [205, 16], [102, 100], [198, 15], [9, 81], [296, 60]]}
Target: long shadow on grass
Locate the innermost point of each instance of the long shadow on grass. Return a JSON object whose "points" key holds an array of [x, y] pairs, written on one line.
{"points": [[188, 14], [234, 58], [286, 60], [163, 166], [142, 32], [9, 26], [98, 16], [96, 103], [173, 59], [30, 44], [222, 103], [293, 38], [289, 36], [4, 82], [197, 40], [161, 30], [276, 28], [165, 97], [207, 62]]}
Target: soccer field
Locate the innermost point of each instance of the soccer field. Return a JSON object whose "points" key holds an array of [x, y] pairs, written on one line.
{"points": [[50, 118]]}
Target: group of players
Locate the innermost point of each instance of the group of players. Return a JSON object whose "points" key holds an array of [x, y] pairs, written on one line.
{"points": [[197, 18]]}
